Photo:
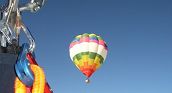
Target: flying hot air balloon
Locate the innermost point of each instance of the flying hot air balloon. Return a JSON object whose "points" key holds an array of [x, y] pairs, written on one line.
{"points": [[88, 52]]}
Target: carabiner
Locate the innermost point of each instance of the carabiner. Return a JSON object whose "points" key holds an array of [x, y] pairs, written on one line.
{"points": [[33, 5], [30, 38], [5, 25], [22, 67]]}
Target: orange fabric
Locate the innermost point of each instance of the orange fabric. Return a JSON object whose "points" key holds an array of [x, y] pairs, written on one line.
{"points": [[19, 86], [39, 81]]}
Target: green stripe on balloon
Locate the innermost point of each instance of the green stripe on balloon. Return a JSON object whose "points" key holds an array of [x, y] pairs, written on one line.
{"points": [[99, 38], [78, 57], [92, 55], [92, 35], [84, 53], [85, 35], [101, 58]]}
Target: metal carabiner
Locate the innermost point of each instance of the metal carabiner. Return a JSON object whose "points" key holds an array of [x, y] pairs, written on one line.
{"points": [[33, 5], [30, 38], [20, 26], [11, 17], [22, 67], [5, 28]]}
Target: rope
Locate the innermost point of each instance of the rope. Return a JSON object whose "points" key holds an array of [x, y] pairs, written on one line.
{"points": [[38, 85]]}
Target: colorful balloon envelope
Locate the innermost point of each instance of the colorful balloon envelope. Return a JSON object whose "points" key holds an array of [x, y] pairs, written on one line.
{"points": [[88, 52]]}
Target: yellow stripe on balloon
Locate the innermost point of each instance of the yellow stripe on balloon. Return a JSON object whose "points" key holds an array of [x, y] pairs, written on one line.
{"points": [[81, 63], [76, 62], [97, 61], [84, 58], [98, 66], [39, 81], [90, 61]]}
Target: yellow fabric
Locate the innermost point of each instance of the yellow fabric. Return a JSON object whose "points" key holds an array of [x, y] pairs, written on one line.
{"points": [[86, 62], [39, 81], [19, 86], [97, 61]]}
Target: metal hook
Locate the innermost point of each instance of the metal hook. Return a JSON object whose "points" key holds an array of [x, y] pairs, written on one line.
{"points": [[9, 20], [33, 5], [5, 27], [30, 38], [14, 7]]}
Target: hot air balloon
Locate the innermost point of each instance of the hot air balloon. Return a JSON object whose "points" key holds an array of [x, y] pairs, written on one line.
{"points": [[88, 52]]}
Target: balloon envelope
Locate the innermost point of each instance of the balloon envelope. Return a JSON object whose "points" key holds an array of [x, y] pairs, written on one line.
{"points": [[88, 52]]}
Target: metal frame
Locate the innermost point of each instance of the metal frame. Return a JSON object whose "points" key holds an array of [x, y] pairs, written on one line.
{"points": [[11, 23]]}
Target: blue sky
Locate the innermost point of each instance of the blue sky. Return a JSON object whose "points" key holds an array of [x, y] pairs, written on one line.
{"points": [[138, 34]]}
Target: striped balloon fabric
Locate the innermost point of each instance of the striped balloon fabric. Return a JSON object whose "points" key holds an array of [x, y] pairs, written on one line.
{"points": [[88, 52]]}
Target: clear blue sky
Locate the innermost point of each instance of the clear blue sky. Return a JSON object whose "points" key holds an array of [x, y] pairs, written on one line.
{"points": [[138, 34]]}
